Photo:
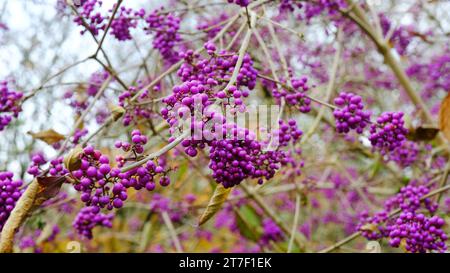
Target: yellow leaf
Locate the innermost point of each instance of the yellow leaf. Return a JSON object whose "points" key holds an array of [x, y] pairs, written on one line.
{"points": [[48, 136], [215, 203], [72, 161], [117, 112], [369, 227], [403, 244], [444, 117]]}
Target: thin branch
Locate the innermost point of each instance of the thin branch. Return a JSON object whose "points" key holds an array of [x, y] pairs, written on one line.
{"points": [[295, 223], [172, 232], [330, 87]]}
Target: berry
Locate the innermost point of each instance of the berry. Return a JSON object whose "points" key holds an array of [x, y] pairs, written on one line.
{"points": [[242, 3], [166, 36], [10, 192], [350, 115], [389, 132], [9, 104], [419, 233], [90, 217]]}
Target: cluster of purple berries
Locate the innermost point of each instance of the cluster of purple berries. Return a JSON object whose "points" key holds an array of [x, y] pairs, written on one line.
{"points": [[242, 3], [350, 115], [298, 99], [144, 176], [89, 218], [388, 133], [78, 134], [287, 133], [10, 192], [373, 227], [55, 168], [125, 19], [166, 28], [204, 81], [409, 199], [418, 233], [439, 73], [289, 6], [217, 68], [138, 141], [186, 98], [312, 9], [176, 210], [77, 102], [104, 187], [123, 22], [400, 37], [94, 19], [9, 104], [95, 82], [434, 75], [37, 160], [139, 110], [207, 24], [240, 156], [271, 232], [234, 153], [406, 154], [97, 181]]}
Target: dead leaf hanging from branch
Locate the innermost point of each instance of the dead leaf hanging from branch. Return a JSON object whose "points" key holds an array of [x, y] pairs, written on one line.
{"points": [[422, 133], [48, 136], [215, 203]]}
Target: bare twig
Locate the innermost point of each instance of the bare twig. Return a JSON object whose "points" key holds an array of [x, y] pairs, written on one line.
{"points": [[173, 235]]}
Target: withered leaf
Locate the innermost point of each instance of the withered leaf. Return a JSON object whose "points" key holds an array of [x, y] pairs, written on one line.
{"points": [[72, 160], [219, 197], [444, 117], [48, 136], [422, 133], [49, 186], [117, 112]]}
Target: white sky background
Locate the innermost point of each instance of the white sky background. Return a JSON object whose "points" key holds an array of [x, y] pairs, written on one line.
{"points": [[25, 17]]}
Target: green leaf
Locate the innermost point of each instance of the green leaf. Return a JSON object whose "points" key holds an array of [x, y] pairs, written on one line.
{"points": [[248, 222]]}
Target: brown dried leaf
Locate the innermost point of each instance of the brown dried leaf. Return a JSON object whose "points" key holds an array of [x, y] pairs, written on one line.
{"points": [[117, 112], [48, 187], [444, 117], [48, 136], [215, 203], [423, 133]]}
